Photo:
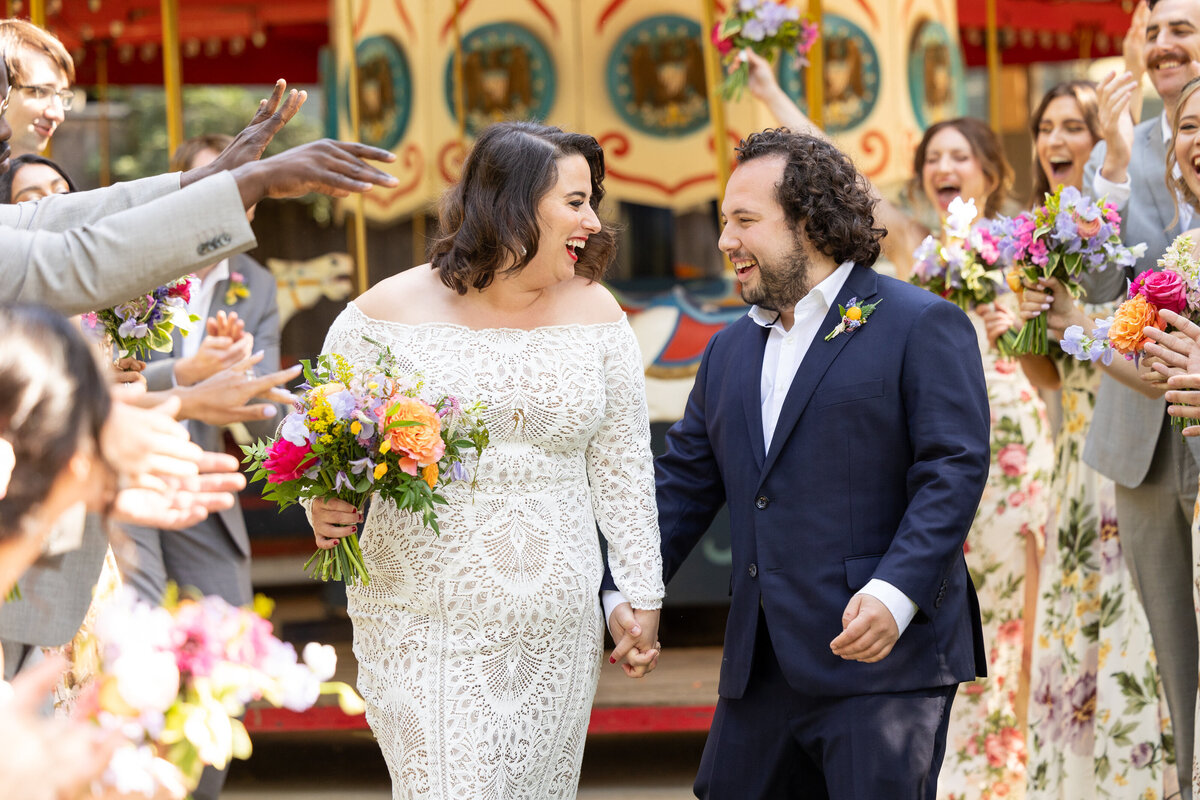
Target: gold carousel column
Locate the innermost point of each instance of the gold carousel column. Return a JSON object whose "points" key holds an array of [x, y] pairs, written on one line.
{"points": [[716, 110], [815, 75], [358, 228], [172, 74], [993, 67]]}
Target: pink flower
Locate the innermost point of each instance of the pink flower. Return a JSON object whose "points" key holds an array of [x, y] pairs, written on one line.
{"points": [[1016, 498], [287, 462], [1005, 367], [1011, 459], [1088, 228], [1163, 289], [993, 748], [1010, 633], [723, 45]]}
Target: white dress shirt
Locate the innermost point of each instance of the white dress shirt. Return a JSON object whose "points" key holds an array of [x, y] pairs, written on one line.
{"points": [[1118, 193], [785, 350], [199, 305]]}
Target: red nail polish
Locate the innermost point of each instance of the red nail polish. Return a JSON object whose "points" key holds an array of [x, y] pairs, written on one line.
{"points": [[612, 660]]}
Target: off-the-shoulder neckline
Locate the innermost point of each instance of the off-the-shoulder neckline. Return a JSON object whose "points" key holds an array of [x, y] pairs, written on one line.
{"points": [[457, 326]]}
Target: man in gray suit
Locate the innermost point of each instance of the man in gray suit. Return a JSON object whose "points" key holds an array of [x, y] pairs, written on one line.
{"points": [[87, 250], [1130, 440]]}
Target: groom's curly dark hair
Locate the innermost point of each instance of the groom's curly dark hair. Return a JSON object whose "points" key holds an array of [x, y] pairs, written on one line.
{"points": [[821, 193]]}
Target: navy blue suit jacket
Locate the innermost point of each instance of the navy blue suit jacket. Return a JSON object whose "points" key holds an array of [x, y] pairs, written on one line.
{"points": [[875, 469]]}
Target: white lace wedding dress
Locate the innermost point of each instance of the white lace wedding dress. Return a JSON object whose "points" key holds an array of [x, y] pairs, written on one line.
{"points": [[479, 650]]}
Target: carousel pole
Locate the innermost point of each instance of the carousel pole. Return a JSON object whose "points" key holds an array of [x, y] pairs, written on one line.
{"points": [[102, 96], [716, 110], [8, 9], [814, 78], [993, 67], [172, 73], [37, 12], [359, 226]]}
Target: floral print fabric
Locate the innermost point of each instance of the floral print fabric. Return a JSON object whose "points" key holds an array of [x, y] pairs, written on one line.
{"points": [[1098, 724], [985, 747]]}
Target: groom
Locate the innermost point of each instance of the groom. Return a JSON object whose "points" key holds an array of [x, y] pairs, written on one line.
{"points": [[852, 452]]}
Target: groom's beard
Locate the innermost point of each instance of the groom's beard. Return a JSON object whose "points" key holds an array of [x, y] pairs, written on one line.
{"points": [[781, 284]]}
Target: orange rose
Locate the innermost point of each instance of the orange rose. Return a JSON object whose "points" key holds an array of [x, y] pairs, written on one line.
{"points": [[421, 442], [1126, 331], [325, 389]]}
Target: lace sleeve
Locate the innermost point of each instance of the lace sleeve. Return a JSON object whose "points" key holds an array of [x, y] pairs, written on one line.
{"points": [[621, 473]]}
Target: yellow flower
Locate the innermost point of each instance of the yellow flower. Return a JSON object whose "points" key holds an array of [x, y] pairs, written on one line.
{"points": [[430, 474], [853, 313], [1119, 779], [356, 427], [380, 471], [263, 605], [1149, 794], [1105, 649], [1072, 579], [1091, 582], [385, 446]]}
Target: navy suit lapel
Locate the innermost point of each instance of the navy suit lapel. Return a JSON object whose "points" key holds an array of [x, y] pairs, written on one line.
{"points": [[862, 283], [749, 376]]}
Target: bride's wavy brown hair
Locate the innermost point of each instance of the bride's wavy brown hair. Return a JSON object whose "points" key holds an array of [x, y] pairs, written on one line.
{"points": [[488, 220]]}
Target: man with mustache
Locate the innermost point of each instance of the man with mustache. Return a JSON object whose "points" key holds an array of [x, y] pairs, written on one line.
{"points": [[846, 427], [1130, 440]]}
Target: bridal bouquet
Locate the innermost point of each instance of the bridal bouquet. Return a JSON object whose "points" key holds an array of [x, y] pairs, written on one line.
{"points": [[355, 433], [145, 323], [1065, 238], [173, 680], [763, 26], [964, 266], [1176, 286]]}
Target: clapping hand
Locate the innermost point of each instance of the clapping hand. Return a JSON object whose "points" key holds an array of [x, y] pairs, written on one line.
{"points": [[222, 398], [635, 633], [230, 325], [216, 352], [869, 631]]}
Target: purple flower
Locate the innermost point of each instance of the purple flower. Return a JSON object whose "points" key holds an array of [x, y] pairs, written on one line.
{"points": [[1141, 754], [754, 30], [359, 465], [131, 328], [342, 482], [773, 15], [1080, 721], [458, 472], [1072, 342], [294, 430], [1047, 696], [342, 404], [748, 5]]}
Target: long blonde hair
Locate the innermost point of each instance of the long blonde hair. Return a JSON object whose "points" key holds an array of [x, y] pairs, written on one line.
{"points": [[1178, 186]]}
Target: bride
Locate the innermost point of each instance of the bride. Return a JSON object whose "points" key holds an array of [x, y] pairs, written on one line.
{"points": [[479, 649]]}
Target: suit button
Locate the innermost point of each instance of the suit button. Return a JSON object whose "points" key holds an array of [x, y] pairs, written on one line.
{"points": [[761, 502], [753, 570]]}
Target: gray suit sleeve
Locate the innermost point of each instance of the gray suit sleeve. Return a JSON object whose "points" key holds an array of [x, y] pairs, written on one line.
{"points": [[266, 333], [61, 212], [1109, 284], [125, 253]]}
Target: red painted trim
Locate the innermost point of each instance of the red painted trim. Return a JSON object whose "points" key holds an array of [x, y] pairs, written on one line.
{"points": [[870, 142], [364, 9], [608, 12], [448, 25], [546, 13], [399, 4], [869, 11], [385, 197], [620, 719], [461, 155]]}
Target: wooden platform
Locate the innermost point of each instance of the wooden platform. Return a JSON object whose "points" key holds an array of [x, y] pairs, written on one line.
{"points": [[680, 695]]}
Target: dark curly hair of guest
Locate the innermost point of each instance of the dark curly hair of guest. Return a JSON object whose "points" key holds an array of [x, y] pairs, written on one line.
{"points": [[489, 221], [823, 191]]}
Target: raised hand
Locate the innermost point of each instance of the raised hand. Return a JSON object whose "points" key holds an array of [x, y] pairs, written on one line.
{"points": [[325, 166], [869, 631], [1114, 96], [222, 398], [216, 352], [228, 325], [176, 502], [249, 145]]}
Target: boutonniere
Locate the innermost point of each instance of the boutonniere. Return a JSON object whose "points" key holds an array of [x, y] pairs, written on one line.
{"points": [[237, 288], [853, 316]]}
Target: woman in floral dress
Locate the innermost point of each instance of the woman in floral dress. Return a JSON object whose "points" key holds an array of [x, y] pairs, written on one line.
{"points": [[1098, 724]]}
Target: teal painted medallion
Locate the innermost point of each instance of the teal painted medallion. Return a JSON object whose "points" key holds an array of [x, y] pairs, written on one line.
{"points": [[507, 74], [656, 76], [851, 74]]}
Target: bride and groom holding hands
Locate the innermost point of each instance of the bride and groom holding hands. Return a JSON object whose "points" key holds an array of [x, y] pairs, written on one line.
{"points": [[842, 420]]}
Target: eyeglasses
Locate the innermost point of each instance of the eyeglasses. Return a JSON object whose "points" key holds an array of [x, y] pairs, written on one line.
{"points": [[4, 103], [38, 93]]}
